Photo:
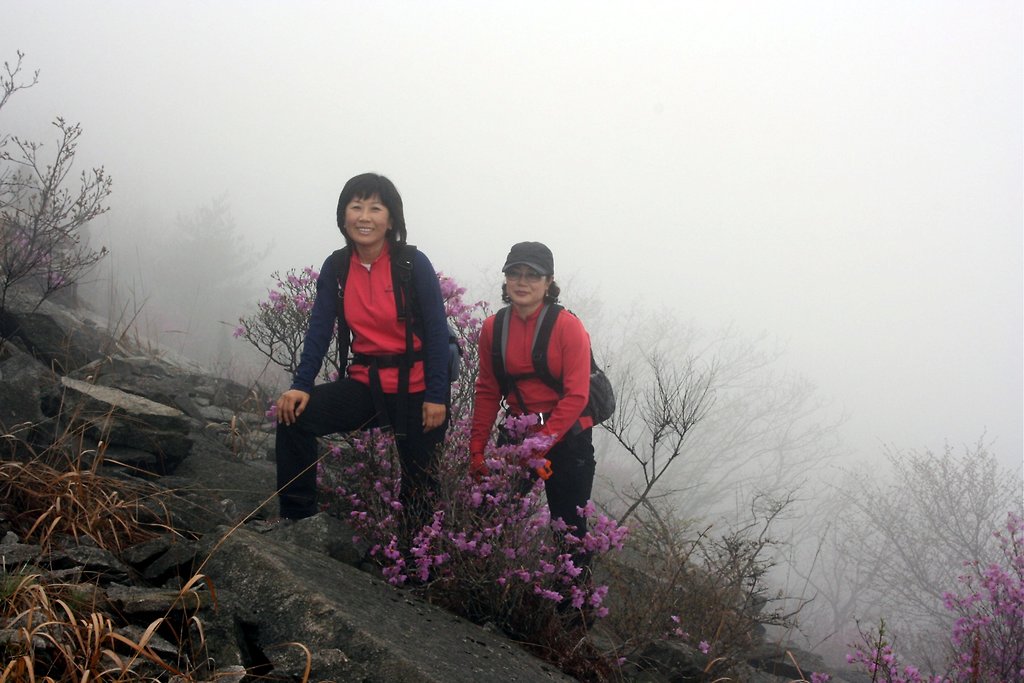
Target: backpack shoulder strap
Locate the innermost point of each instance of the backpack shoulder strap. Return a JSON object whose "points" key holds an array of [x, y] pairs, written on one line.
{"points": [[538, 348], [405, 303], [401, 276], [342, 259], [499, 344], [541, 340]]}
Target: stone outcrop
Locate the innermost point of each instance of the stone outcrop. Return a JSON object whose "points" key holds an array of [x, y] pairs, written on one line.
{"points": [[61, 339], [60, 369], [128, 424], [23, 380], [356, 626]]}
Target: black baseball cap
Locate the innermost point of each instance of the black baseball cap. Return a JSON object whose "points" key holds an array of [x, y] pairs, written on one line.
{"points": [[532, 254]]}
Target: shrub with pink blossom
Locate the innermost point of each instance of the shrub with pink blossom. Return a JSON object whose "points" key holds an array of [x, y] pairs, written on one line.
{"points": [[279, 324], [877, 656], [987, 640], [988, 635], [490, 551]]}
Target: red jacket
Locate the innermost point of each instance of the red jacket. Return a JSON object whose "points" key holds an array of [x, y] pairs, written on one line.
{"points": [[568, 359], [373, 318]]}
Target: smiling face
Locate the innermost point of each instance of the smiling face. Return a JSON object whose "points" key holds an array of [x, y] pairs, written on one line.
{"points": [[525, 288], [367, 221]]}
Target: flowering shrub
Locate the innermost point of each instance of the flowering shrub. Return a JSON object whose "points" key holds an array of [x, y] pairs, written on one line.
{"points": [[988, 635], [468, 319], [279, 324], [489, 551], [987, 640], [877, 657]]}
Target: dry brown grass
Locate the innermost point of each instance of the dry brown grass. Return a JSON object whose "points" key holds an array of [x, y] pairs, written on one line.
{"points": [[51, 630], [45, 499], [51, 634]]}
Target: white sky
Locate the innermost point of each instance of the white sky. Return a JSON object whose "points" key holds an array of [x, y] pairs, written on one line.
{"points": [[846, 176]]}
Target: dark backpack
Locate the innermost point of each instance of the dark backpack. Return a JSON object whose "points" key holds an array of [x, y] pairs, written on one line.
{"points": [[407, 306], [601, 403]]}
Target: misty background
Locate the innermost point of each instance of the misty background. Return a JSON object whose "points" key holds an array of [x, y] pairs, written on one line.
{"points": [[842, 178], [823, 201]]}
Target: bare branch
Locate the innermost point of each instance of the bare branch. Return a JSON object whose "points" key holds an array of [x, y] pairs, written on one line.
{"points": [[9, 81], [42, 212], [677, 399]]}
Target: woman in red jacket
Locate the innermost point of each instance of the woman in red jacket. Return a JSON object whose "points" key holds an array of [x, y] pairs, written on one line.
{"points": [[370, 393], [531, 293]]}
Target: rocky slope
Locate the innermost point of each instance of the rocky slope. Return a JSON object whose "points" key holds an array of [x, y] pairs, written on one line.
{"points": [[287, 602]]}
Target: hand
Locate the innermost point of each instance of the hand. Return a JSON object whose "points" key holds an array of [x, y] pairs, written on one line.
{"points": [[544, 471], [290, 405], [477, 467], [433, 415], [537, 449]]}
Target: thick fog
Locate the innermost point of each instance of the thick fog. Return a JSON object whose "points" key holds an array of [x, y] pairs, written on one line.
{"points": [[844, 178]]}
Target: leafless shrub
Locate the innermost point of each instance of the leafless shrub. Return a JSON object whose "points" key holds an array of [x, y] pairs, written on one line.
{"points": [[41, 214], [680, 581]]}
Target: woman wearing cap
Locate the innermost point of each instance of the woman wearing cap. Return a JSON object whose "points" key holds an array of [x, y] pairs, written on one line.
{"points": [[387, 384], [531, 292]]}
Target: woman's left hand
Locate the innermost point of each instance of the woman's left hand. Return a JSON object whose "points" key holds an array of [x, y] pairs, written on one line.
{"points": [[433, 415]]}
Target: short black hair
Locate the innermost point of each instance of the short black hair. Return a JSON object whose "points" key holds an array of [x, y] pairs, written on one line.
{"points": [[365, 186]]}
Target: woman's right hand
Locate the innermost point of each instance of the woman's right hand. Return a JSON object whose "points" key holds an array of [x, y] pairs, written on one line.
{"points": [[290, 405], [478, 468]]}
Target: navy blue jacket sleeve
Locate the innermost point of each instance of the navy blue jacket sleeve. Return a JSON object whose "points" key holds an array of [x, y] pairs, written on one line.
{"points": [[321, 328], [435, 328]]}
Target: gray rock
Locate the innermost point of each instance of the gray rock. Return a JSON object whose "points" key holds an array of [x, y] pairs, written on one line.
{"points": [[171, 383], [158, 415], [133, 600], [122, 419], [154, 641], [120, 369], [324, 534], [53, 334], [23, 380], [223, 636], [257, 420], [18, 555], [355, 626], [89, 561], [13, 640], [142, 554], [217, 414], [230, 674], [133, 459], [177, 562], [208, 477]]}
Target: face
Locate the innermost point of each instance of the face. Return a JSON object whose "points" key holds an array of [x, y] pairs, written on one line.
{"points": [[367, 222], [525, 286]]}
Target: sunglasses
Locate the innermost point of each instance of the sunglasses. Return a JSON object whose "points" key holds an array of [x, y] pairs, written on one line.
{"points": [[528, 274]]}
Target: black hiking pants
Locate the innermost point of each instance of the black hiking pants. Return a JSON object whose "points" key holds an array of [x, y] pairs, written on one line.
{"points": [[572, 479], [570, 484], [344, 406]]}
